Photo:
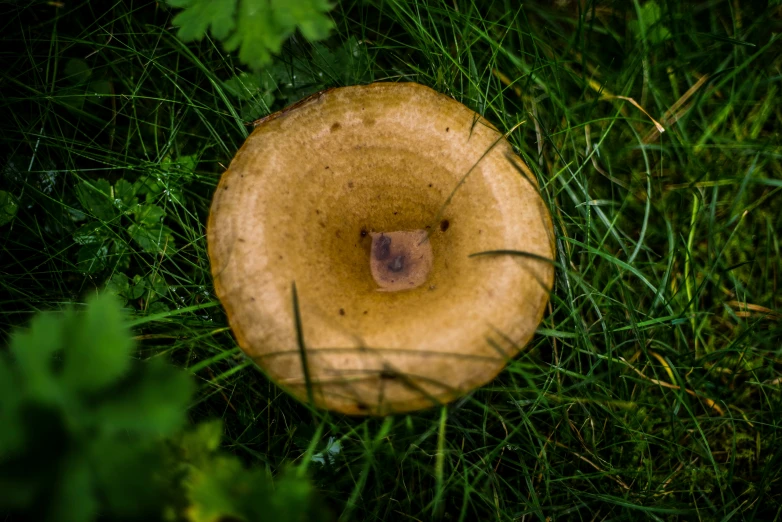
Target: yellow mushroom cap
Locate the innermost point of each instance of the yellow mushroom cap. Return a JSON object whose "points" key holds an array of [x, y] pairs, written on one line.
{"points": [[310, 192]]}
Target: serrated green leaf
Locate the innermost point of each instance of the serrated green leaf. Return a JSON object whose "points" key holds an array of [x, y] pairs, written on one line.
{"points": [[220, 488], [256, 28], [200, 16], [256, 35], [95, 197], [92, 258], [138, 288], [124, 195], [148, 215], [98, 347], [118, 285], [307, 15], [153, 404], [91, 233], [148, 187], [198, 444], [216, 490], [8, 207], [34, 352], [155, 239], [185, 164]]}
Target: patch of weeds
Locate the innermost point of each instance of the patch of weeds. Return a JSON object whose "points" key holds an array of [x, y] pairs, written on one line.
{"points": [[90, 431]]}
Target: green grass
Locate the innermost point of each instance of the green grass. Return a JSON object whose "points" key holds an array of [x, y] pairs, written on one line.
{"points": [[652, 390]]}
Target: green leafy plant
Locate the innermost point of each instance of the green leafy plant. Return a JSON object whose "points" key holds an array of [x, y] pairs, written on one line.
{"points": [[256, 28], [89, 430], [82, 419], [8, 207], [108, 209], [257, 90], [101, 247], [219, 487], [150, 289]]}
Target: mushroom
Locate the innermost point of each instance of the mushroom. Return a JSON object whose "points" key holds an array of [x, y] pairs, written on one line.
{"points": [[341, 241]]}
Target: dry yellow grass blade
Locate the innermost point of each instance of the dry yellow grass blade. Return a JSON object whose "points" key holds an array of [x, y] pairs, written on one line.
{"points": [[660, 128], [710, 402], [749, 309], [673, 113]]}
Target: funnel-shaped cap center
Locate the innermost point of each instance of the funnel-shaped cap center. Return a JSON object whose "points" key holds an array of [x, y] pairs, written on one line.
{"points": [[400, 260]]}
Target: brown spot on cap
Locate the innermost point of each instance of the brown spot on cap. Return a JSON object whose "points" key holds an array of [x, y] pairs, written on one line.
{"points": [[400, 260], [381, 247]]}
